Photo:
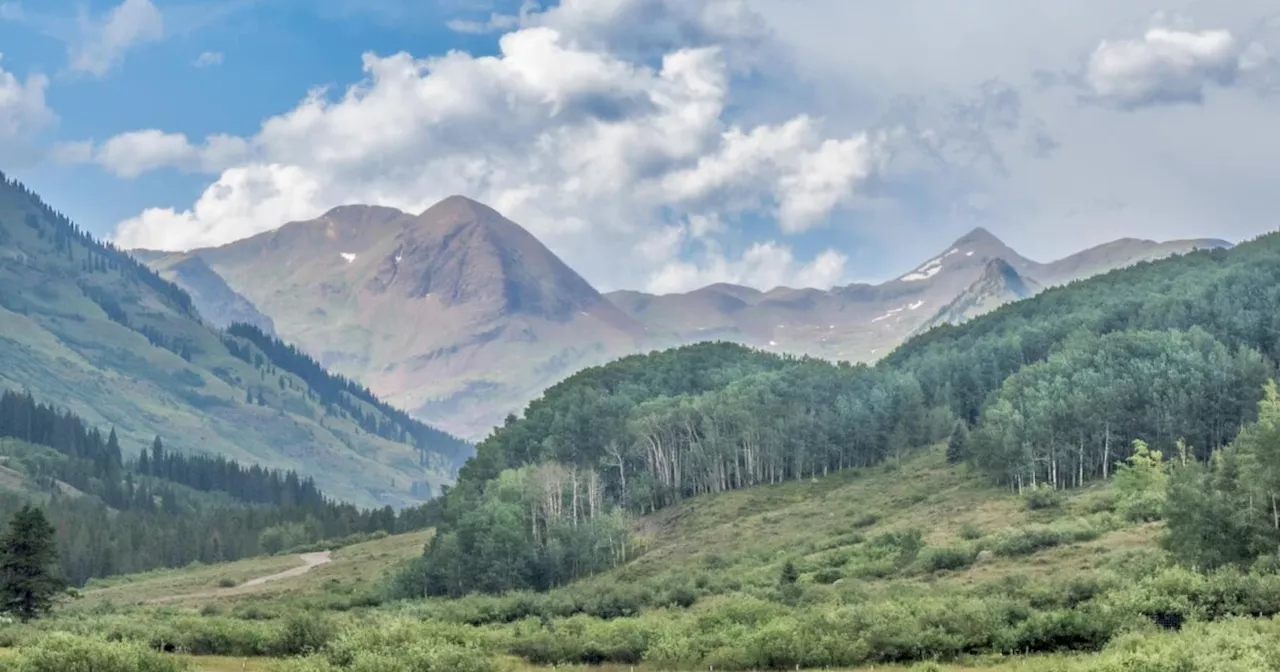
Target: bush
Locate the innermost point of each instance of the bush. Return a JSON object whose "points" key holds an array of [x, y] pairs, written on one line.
{"points": [[1033, 538], [935, 559], [303, 634], [1042, 497], [61, 652], [226, 582], [970, 532]]}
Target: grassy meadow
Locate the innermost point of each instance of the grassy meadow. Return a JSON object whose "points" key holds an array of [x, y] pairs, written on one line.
{"points": [[914, 566]]}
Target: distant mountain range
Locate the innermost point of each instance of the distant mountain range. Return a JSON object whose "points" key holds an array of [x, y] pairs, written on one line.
{"points": [[460, 317], [862, 322], [89, 328]]}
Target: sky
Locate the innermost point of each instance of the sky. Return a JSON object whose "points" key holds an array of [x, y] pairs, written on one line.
{"points": [[657, 144]]}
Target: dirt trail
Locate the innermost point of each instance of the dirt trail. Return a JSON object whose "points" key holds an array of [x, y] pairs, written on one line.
{"points": [[310, 561]]}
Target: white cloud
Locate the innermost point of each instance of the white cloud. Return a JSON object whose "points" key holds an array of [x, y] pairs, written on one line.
{"points": [[607, 125], [10, 11], [23, 113], [495, 23], [586, 148], [208, 59], [131, 154], [105, 40], [1164, 66], [764, 265]]}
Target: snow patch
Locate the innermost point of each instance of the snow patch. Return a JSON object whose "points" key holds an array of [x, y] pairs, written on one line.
{"points": [[399, 257], [969, 253], [930, 269], [915, 305], [348, 257], [950, 252], [773, 343]]}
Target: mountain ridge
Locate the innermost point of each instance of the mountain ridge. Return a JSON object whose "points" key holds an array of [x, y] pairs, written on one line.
{"points": [[93, 330], [455, 314], [461, 316]]}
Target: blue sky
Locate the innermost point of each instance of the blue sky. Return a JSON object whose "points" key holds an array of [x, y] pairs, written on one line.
{"points": [[272, 52], [656, 144]]}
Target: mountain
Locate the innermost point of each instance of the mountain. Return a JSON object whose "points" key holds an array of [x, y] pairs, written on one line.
{"points": [[1000, 283], [217, 303], [457, 315], [862, 322], [87, 327]]}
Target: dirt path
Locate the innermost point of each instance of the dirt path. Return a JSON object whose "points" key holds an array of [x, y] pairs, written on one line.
{"points": [[310, 561]]}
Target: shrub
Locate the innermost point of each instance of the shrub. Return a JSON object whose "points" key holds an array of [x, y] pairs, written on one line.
{"points": [[934, 558], [226, 582], [1042, 497], [970, 532], [303, 634], [61, 652]]}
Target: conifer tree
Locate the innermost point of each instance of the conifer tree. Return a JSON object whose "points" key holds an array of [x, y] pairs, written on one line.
{"points": [[28, 556], [958, 445]]}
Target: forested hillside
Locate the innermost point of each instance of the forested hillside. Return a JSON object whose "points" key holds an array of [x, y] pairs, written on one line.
{"points": [[1053, 390], [89, 328], [121, 509]]}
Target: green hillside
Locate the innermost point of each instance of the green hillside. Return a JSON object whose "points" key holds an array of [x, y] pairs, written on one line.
{"points": [[113, 514], [87, 327], [1050, 391], [898, 563]]}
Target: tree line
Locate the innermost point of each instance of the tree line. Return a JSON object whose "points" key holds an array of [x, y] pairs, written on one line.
{"points": [[336, 391], [1052, 391], [165, 509]]}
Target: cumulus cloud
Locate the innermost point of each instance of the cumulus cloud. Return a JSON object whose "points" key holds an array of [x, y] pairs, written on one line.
{"points": [[23, 113], [208, 59], [131, 154], [764, 265], [105, 40], [1164, 66], [586, 147]]}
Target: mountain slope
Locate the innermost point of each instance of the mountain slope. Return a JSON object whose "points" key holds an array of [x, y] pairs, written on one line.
{"points": [[862, 322], [87, 327], [999, 284], [218, 304], [457, 315], [856, 322]]}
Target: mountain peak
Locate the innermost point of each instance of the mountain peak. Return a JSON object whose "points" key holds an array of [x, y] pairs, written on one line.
{"points": [[981, 238], [357, 213], [459, 206]]}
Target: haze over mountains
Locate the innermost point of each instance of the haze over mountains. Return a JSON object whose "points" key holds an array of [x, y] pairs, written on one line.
{"points": [[88, 328], [460, 316]]}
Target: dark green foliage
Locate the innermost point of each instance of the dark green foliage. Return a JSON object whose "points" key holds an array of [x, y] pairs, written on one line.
{"points": [[1043, 497], [958, 443], [167, 509], [1227, 512], [28, 565], [372, 414], [646, 432], [1056, 389]]}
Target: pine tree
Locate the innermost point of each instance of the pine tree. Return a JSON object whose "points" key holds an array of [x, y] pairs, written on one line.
{"points": [[958, 444], [28, 556]]}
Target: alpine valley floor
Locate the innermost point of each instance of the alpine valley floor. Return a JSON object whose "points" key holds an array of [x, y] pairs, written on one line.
{"points": [[906, 561]]}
